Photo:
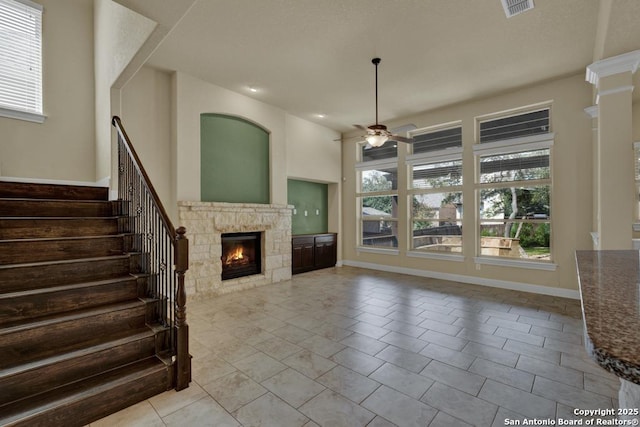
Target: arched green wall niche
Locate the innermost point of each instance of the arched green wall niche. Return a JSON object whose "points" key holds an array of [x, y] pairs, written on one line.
{"points": [[234, 160], [311, 197]]}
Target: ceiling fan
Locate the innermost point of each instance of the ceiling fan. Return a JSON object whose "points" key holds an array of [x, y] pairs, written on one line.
{"points": [[378, 134]]}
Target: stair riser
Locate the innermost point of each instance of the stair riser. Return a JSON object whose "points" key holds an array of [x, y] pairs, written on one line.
{"points": [[52, 191], [25, 277], [96, 405], [38, 380], [15, 252], [56, 208], [25, 307], [43, 341], [20, 228]]}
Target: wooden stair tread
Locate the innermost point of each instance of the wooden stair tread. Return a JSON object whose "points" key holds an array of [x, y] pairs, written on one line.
{"points": [[66, 317], [34, 303], [65, 261], [40, 200], [20, 207], [107, 342], [59, 218], [26, 409], [17, 251], [10, 189], [23, 228], [19, 276], [50, 239], [81, 285]]}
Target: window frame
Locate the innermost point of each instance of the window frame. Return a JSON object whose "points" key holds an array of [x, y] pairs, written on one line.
{"points": [[449, 154], [361, 167], [35, 115], [540, 141]]}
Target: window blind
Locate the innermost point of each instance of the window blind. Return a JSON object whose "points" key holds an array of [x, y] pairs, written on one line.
{"points": [[387, 151], [21, 56], [529, 165], [438, 140], [521, 125], [435, 175]]}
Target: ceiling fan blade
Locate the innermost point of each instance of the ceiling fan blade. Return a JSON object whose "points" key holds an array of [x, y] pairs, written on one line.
{"points": [[361, 127], [404, 128], [401, 139]]}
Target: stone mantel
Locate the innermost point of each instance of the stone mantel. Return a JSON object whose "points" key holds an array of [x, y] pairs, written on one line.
{"points": [[206, 221]]}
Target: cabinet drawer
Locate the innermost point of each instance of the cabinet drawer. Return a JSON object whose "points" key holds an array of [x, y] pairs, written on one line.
{"points": [[306, 240], [325, 239]]}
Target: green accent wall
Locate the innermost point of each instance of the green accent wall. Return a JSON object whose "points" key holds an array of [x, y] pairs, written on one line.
{"points": [[234, 160], [308, 196]]}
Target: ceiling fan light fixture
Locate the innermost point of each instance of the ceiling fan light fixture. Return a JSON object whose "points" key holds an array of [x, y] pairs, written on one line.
{"points": [[377, 139]]}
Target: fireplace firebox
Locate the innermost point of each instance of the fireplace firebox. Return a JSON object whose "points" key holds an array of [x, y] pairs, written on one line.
{"points": [[241, 254]]}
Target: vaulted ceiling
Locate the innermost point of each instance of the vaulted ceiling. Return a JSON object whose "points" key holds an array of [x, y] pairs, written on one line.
{"points": [[313, 57]]}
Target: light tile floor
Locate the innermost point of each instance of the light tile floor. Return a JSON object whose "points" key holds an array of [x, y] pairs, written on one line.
{"points": [[354, 347]]}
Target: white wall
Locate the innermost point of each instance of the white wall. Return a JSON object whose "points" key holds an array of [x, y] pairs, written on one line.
{"points": [[194, 97], [307, 140], [119, 34], [145, 100], [62, 147]]}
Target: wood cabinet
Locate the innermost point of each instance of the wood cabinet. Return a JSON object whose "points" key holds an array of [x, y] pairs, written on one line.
{"points": [[313, 251]]}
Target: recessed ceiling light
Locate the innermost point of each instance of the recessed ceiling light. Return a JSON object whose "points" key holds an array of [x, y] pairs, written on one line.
{"points": [[320, 116], [253, 89]]}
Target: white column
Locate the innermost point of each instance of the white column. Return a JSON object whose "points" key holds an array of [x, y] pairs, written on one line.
{"points": [[615, 191]]}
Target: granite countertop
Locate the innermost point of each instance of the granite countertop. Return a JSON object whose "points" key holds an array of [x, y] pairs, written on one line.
{"points": [[610, 291]]}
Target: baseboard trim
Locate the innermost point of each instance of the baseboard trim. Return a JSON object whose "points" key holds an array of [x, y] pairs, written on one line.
{"points": [[503, 284], [104, 182], [54, 181]]}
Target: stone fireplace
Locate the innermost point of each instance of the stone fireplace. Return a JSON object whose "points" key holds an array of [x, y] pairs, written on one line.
{"points": [[206, 222]]}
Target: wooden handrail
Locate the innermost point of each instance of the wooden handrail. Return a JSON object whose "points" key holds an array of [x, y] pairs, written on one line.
{"points": [[117, 123], [171, 286]]}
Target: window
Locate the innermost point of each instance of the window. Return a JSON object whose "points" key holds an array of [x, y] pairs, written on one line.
{"points": [[514, 186], [378, 196], [21, 60], [435, 190], [385, 151], [531, 123], [378, 199]]}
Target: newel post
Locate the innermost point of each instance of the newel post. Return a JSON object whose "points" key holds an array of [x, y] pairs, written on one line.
{"points": [[183, 359]]}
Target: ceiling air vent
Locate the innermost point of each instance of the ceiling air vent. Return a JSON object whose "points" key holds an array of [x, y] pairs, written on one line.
{"points": [[516, 7]]}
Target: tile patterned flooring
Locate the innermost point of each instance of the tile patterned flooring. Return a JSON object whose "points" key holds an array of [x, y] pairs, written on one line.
{"points": [[354, 347]]}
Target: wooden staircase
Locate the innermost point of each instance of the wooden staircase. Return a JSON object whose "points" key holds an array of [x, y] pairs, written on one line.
{"points": [[79, 337]]}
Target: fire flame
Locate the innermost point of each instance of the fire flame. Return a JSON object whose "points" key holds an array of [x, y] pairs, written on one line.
{"points": [[236, 256]]}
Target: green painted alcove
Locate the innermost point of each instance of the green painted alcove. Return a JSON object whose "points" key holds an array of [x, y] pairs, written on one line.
{"points": [[234, 160], [311, 197]]}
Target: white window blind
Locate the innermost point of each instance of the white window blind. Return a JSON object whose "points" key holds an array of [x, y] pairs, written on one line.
{"points": [[521, 125], [21, 60], [437, 140]]}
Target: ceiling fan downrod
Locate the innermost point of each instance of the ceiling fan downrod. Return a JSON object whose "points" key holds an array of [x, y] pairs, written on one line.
{"points": [[376, 61]]}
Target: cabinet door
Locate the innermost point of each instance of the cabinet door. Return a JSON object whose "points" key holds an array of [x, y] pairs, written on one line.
{"points": [[325, 251], [302, 258]]}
